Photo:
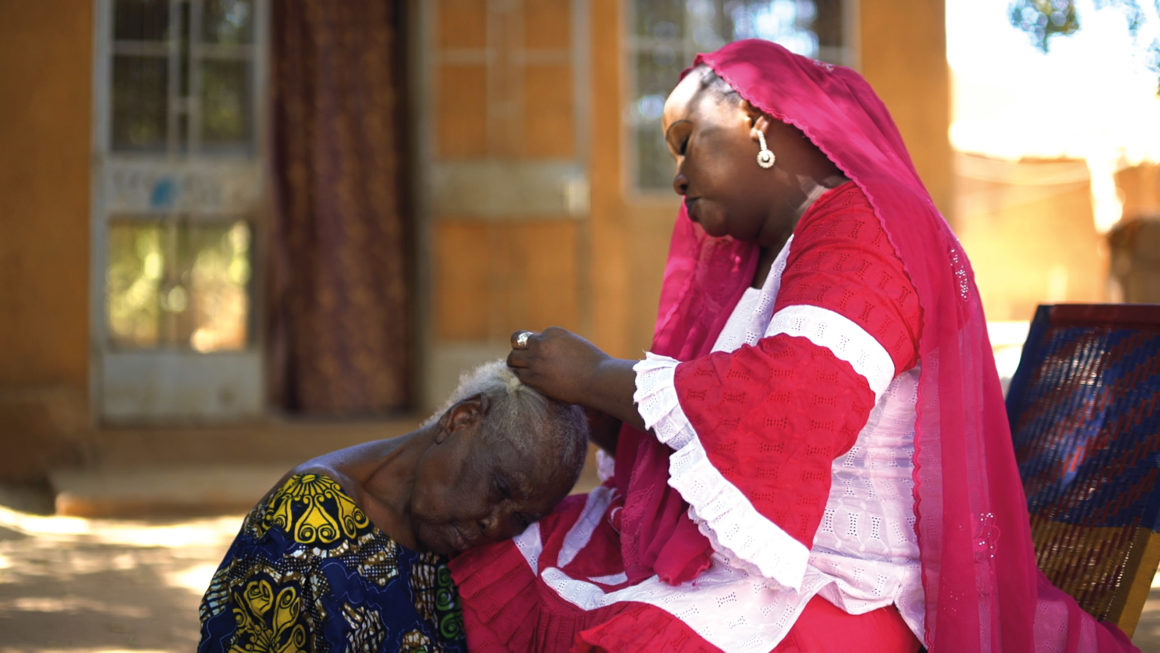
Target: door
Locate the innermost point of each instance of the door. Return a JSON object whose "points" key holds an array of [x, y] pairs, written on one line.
{"points": [[177, 209]]}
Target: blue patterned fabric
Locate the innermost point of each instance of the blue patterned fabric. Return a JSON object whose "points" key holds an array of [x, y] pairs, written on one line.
{"points": [[309, 572], [1084, 407], [1085, 415]]}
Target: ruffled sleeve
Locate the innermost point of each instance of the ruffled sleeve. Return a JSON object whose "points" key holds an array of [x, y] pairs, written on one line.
{"points": [[754, 431], [737, 531]]}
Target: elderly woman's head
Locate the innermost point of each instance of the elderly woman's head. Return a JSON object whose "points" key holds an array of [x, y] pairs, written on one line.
{"points": [[502, 456]]}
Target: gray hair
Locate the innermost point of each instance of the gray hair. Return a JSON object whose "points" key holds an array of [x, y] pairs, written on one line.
{"points": [[521, 416], [715, 84]]}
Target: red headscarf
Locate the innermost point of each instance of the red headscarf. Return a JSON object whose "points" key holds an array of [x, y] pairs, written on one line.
{"points": [[982, 587]]}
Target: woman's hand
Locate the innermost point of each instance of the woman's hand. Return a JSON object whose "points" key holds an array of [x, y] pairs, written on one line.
{"points": [[556, 362], [566, 367]]}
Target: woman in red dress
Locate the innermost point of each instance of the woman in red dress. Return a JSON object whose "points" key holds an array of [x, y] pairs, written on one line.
{"points": [[814, 454]]}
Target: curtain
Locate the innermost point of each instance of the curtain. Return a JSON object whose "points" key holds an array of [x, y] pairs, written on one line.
{"points": [[339, 298]]}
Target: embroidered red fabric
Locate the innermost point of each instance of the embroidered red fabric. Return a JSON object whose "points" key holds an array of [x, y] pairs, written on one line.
{"points": [[841, 259], [773, 417]]}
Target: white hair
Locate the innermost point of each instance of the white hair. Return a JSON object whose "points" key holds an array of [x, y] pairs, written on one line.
{"points": [[521, 416]]}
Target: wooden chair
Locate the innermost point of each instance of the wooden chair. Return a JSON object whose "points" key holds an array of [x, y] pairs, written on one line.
{"points": [[1084, 407]]}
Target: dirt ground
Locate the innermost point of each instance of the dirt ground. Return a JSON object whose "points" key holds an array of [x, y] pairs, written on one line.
{"points": [[70, 584]]}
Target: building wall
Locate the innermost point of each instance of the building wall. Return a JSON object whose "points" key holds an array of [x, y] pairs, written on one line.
{"points": [[503, 130], [1134, 243], [45, 125], [1139, 188], [902, 53], [1028, 229], [597, 272]]}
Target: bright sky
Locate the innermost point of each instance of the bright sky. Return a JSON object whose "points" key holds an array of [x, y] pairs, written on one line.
{"points": [[1090, 96]]}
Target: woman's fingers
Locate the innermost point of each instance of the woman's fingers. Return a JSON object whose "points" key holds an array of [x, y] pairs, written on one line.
{"points": [[518, 356], [517, 359], [521, 338]]}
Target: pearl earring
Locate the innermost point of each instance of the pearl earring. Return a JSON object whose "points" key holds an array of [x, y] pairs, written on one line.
{"points": [[765, 157]]}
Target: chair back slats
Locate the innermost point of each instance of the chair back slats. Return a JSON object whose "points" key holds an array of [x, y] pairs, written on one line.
{"points": [[1085, 418]]}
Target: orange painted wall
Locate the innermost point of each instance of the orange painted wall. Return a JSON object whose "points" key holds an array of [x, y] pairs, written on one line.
{"points": [[1140, 191], [902, 53], [1027, 227], [45, 126], [45, 133]]}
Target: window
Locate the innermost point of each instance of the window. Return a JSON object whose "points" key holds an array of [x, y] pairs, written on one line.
{"points": [[177, 203], [183, 76], [665, 35], [182, 87], [179, 283]]}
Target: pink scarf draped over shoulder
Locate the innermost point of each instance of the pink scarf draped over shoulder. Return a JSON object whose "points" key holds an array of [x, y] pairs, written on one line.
{"points": [[982, 587]]}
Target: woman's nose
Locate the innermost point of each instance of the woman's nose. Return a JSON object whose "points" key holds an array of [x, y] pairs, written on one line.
{"points": [[680, 183], [490, 522], [487, 523]]}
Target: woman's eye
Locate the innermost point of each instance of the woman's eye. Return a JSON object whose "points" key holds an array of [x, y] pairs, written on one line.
{"points": [[684, 146], [500, 487]]}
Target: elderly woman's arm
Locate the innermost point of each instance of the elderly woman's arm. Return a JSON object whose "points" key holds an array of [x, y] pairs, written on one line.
{"points": [[567, 367], [603, 429]]}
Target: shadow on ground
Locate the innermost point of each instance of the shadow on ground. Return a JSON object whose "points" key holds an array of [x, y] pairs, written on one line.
{"points": [[73, 584], [69, 584]]}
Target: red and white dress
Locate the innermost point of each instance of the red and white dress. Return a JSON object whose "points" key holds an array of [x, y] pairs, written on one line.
{"points": [[792, 444]]}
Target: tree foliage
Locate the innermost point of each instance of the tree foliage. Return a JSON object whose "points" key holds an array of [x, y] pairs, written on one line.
{"points": [[1044, 20]]}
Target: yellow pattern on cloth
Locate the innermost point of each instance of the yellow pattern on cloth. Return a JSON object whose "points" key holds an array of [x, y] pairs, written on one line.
{"points": [[268, 622], [297, 507], [310, 572]]}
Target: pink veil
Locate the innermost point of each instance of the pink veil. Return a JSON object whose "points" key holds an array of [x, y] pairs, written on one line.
{"points": [[983, 590]]}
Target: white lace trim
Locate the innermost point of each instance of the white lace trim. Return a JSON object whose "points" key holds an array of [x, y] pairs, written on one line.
{"points": [[728, 608], [578, 536], [605, 465], [744, 537], [842, 336], [657, 403], [530, 546]]}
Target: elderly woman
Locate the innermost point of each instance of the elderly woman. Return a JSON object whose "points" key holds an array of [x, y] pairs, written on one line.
{"points": [[815, 453], [348, 552]]}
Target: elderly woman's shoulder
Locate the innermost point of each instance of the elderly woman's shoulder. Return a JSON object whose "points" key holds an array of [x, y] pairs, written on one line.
{"points": [[311, 506]]}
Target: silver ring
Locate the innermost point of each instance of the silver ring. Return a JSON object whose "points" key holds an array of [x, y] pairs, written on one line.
{"points": [[520, 339]]}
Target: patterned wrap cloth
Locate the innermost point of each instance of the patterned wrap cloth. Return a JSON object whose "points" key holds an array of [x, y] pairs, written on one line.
{"points": [[308, 571]]}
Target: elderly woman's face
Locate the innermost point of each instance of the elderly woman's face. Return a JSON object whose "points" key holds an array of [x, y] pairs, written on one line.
{"points": [[711, 138], [468, 492]]}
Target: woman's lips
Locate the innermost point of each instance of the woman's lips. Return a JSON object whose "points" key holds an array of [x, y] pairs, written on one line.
{"points": [[689, 202], [457, 539]]}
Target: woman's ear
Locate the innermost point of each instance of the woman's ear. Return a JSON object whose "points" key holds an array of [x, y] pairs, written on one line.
{"points": [[756, 119], [466, 413], [752, 113]]}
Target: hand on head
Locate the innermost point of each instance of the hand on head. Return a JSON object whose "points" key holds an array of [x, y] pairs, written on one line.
{"points": [[556, 362]]}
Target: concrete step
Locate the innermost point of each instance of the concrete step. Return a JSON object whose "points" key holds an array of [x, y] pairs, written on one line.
{"points": [[183, 490], [171, 491], [199, 470], [236, 444]]}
